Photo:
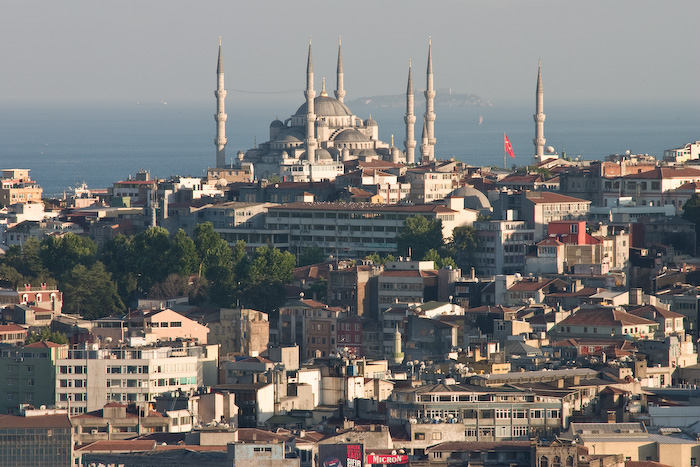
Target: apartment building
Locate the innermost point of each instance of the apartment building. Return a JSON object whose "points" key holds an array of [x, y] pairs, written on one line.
{"points": [[502, 246], [464, 412], [355, 230], [29, 375], [89, 377], [539, 208], [17, 187]]}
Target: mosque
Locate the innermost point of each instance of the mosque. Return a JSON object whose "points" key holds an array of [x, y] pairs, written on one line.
{"points": [[313, 143]]}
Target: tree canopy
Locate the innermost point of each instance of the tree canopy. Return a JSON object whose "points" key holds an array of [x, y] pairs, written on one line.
{"points": [[418, 235]]}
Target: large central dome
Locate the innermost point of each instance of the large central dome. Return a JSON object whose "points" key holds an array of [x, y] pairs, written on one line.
{"points": [[325, 106]]}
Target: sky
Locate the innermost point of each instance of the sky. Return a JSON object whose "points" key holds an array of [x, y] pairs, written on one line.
{"points": [[135, 50]]}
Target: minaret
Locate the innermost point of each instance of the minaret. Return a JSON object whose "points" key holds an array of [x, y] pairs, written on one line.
{"points": [[410, 120], [425, 145], [310, 116], [397, 356], [539, 117], [430, 104], [220, 116], [340, 91]]}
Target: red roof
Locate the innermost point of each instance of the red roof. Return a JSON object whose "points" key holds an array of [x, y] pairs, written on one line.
{"points": [[129, 445], [547, 197], [604, 317], [11, 328], [37, 421], [667, 172], [43, 345], [410, 273], [529, 286]]}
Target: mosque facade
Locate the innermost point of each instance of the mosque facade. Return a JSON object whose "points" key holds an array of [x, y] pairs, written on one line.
{"points": [[313, 143]]}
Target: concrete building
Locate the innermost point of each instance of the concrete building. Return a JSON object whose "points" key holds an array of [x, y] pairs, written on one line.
{"points": [[17, 187], [90, 376], [311, 325], [355, 230], [354, 288], [604, 322], [29, 375], [539, 208], [688, 152], [240, 331], [502, 246], [405, 282], [36, 437]]}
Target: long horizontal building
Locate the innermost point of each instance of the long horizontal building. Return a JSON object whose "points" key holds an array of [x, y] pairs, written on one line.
{"points": [[351, 230]]}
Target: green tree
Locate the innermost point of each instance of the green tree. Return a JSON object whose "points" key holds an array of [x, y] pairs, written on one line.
{"points": [[153, 262], [376, 259], [418, 235], [26, 260], [311, 255], [439, 260], [264, 278], [463, 244], [691, 212], [61, 254], [46, 335], [184, 252], [90, 292]]}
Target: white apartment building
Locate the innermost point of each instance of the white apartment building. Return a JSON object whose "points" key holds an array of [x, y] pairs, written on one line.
{"points": [[657, 187], [502, 246], [688, 152], [355, 229], [428, 185], [91, 377], [405, 282]]}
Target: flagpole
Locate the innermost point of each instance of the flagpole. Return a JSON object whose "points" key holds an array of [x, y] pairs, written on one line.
{"points": [[504, 151]]}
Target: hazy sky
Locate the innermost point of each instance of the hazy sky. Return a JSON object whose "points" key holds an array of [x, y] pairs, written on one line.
{"points": [[136, 50]]}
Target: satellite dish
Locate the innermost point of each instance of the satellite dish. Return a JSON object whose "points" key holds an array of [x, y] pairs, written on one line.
{"points": [[628, 152], [550, 149]]}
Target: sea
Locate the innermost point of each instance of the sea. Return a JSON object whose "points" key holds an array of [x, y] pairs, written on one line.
{"points": [[67, 144]]}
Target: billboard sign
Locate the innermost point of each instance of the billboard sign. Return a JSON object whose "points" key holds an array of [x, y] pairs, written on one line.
{"points": [[340, 455], [387, 459]]}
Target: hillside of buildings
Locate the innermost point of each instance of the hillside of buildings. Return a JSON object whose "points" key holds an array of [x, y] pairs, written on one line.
{"points": [[431, 315], [445, 97]]}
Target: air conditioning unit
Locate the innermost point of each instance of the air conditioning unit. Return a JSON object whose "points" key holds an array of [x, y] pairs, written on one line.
{"points": [[93, 432]]}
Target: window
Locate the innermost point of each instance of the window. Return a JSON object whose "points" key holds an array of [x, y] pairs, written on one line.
{"points": [[437, 435], [419, 436]]}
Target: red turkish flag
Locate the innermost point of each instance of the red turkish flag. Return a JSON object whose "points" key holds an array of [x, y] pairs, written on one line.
{"points": [[507, 147]]}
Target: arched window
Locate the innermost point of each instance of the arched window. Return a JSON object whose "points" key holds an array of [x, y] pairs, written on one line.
{"points": [[25, 298], [544, 462], [556, 462], [570, 461]]}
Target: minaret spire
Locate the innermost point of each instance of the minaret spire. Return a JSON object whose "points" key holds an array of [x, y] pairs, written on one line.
{"points": [[539, 116], [310, 116], [220, 116], [410, 120], [340, 91], [429, 117], [425, 145]]}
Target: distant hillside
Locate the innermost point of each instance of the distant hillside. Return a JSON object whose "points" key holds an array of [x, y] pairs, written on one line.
{"points": [[443, 98]]}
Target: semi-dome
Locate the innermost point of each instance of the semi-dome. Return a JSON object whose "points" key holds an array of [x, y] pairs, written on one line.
{"points": [[326, 106], [351, 135], [291, 136], [277, 123], [473, 198], [367, 153], [322, 155]]}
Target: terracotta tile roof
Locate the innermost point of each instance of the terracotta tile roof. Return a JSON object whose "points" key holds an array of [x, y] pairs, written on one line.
{"points": [[550, 241], [11, 328], [191, 447], [43, 345], [547, 197], [667, 172], [129, 445], [648, 311], [466, 446], [38, 421], [410, 273], [604, 317], [529, 286]]}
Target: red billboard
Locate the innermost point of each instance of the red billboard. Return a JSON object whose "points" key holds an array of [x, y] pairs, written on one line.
{"points": [[387, 459]]}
